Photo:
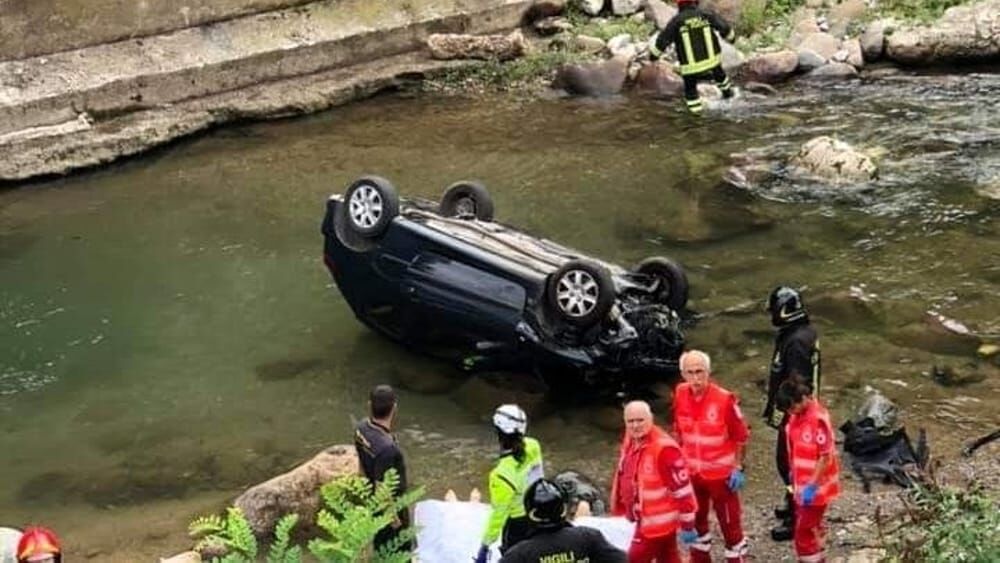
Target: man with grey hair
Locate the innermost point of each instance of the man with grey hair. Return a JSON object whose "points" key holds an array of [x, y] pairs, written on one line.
{"points": [[713, 437], [651, 487]]}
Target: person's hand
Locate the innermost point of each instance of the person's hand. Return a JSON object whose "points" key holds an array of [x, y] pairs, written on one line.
{"points": [[736, 480], [809, 494], [688, 537], [484, 554]]}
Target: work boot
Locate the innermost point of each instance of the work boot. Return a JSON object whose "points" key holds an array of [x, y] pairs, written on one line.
{"points": [[782, 532], [782, 512]]}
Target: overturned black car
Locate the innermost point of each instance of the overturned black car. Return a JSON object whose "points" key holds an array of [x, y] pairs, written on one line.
{"points": [[445, 279]]}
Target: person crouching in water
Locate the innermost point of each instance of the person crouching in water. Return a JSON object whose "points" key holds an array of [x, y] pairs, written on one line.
{"points": [[815, 469], [519, 466], [695, 34]]}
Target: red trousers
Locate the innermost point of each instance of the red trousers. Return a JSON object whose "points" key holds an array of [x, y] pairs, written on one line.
{"points": [[648, 550], [809, 532], [716, 493]]}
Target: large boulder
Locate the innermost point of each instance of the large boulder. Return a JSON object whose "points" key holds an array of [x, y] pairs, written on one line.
{"points": [[809, 60], [729, 10], [873, 40], [659, 12], [625, 7], [623, 46], [770, 67], [823, 44], [604, 78], [297, 490], [658, 80], [833, 160], [446, 46], [732, 58], [965, 34]]}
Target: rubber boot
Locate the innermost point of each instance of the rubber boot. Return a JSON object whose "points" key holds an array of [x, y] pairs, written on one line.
{"points": [[785, 530]]}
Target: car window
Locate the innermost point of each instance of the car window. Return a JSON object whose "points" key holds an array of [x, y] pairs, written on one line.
{"points": [[469, 279]]}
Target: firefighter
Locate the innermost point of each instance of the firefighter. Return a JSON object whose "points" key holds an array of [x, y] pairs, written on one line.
{"points": [[695, 35], [713, 435], [815, 469], [555, 539], [38, 545], [519, 466], [796, 351], [652, 488]]}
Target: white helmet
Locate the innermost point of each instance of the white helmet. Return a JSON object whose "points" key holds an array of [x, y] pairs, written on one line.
{"points": [[510, 419]]}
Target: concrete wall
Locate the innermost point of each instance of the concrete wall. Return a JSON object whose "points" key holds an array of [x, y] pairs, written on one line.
{"points": [[38, 27]]}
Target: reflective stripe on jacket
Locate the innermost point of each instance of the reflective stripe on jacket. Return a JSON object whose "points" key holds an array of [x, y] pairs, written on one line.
{"points": [[703, 430], [658, 512], [810, 434], [693, 33], [508, 481]]}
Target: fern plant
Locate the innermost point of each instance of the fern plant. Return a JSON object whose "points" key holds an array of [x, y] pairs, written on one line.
{"points": [[354, 513], [234, 536]]}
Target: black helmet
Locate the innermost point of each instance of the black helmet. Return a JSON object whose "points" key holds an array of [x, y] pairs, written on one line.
{"points": [[786, 307], [545, 503]]}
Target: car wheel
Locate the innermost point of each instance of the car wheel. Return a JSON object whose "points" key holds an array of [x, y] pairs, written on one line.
{"points": [[466, 200], [371, 204], [581, 292], [672, 283]]}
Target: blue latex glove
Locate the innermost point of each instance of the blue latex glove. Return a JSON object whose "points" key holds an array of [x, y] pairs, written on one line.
{"points": [[809, 494], [736, 480], [484, 554], [688, 537]]}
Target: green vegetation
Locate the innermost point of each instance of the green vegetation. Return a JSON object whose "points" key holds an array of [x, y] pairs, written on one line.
{"points": [[354, 512], [944, 524], [606, 28], [761, 17], [509, 75], [917, 10]]}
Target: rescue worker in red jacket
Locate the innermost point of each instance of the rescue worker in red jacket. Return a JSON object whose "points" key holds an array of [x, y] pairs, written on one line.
{"points": [[38, 545], [713, 436], [815, 469], [651, 487]]}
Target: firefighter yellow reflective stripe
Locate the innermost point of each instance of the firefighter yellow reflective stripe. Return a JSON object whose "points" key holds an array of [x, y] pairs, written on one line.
{"points": [[731, 36], [688, 51], [694, 106], [709, 44]]}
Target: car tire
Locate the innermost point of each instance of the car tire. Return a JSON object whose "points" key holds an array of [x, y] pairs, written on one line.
{"points": [[673, 286], [580, 293], [467, 199], [370, 203]]}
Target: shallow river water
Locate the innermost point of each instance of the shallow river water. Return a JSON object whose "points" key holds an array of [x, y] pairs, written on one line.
{"points": [[169, 335]]}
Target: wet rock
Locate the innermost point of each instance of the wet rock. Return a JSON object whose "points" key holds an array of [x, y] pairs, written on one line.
{"points": [[659, 12], [964, 34], [873, 41], [658, 80], [622, 46], [625, 7], [854, 56], [823, 44], [297, 490], [770, 67], [988, 351], [935, 334], [950, 376], [809, 60], [846, 309], [542, 9], [551, 26], [833, 71], [732, 58], [589, 44], [599, 79], [591, 7], [447, 46], [834, 160], [285, 369], [760, 88]]}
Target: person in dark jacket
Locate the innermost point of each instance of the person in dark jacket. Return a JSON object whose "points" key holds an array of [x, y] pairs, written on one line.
{"points": [[796, 351], [555, 539], [695, 32], [378, 451]]}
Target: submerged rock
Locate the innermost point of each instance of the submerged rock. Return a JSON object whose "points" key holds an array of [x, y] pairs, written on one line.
{"points": [[834, 160], [968, 33], [658, 80], [950, 376], [936, 334], [847, 309], [446, 46]]}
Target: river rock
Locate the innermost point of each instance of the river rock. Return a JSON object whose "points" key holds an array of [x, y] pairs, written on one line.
{"points": [[833, 71], [589, 44], [551, 26], [834, 160], [659, 12], [770, 67], [936, 334], [823, 44], [732, 58], [809, 60], [186, 557], [604, 78], [541, 9], [446, 46], [658, 80], [873, 41], [622, 46], [581, 488], [591, 7], [760, 88], [625, 7], [951, 376], [990, 190], [297, 490], [804, 27], [854, 56], [968, 33]]}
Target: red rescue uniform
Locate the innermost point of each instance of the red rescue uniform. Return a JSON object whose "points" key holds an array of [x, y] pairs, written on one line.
{"points": [[810, 436], [652, 488], [711, 429]]}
